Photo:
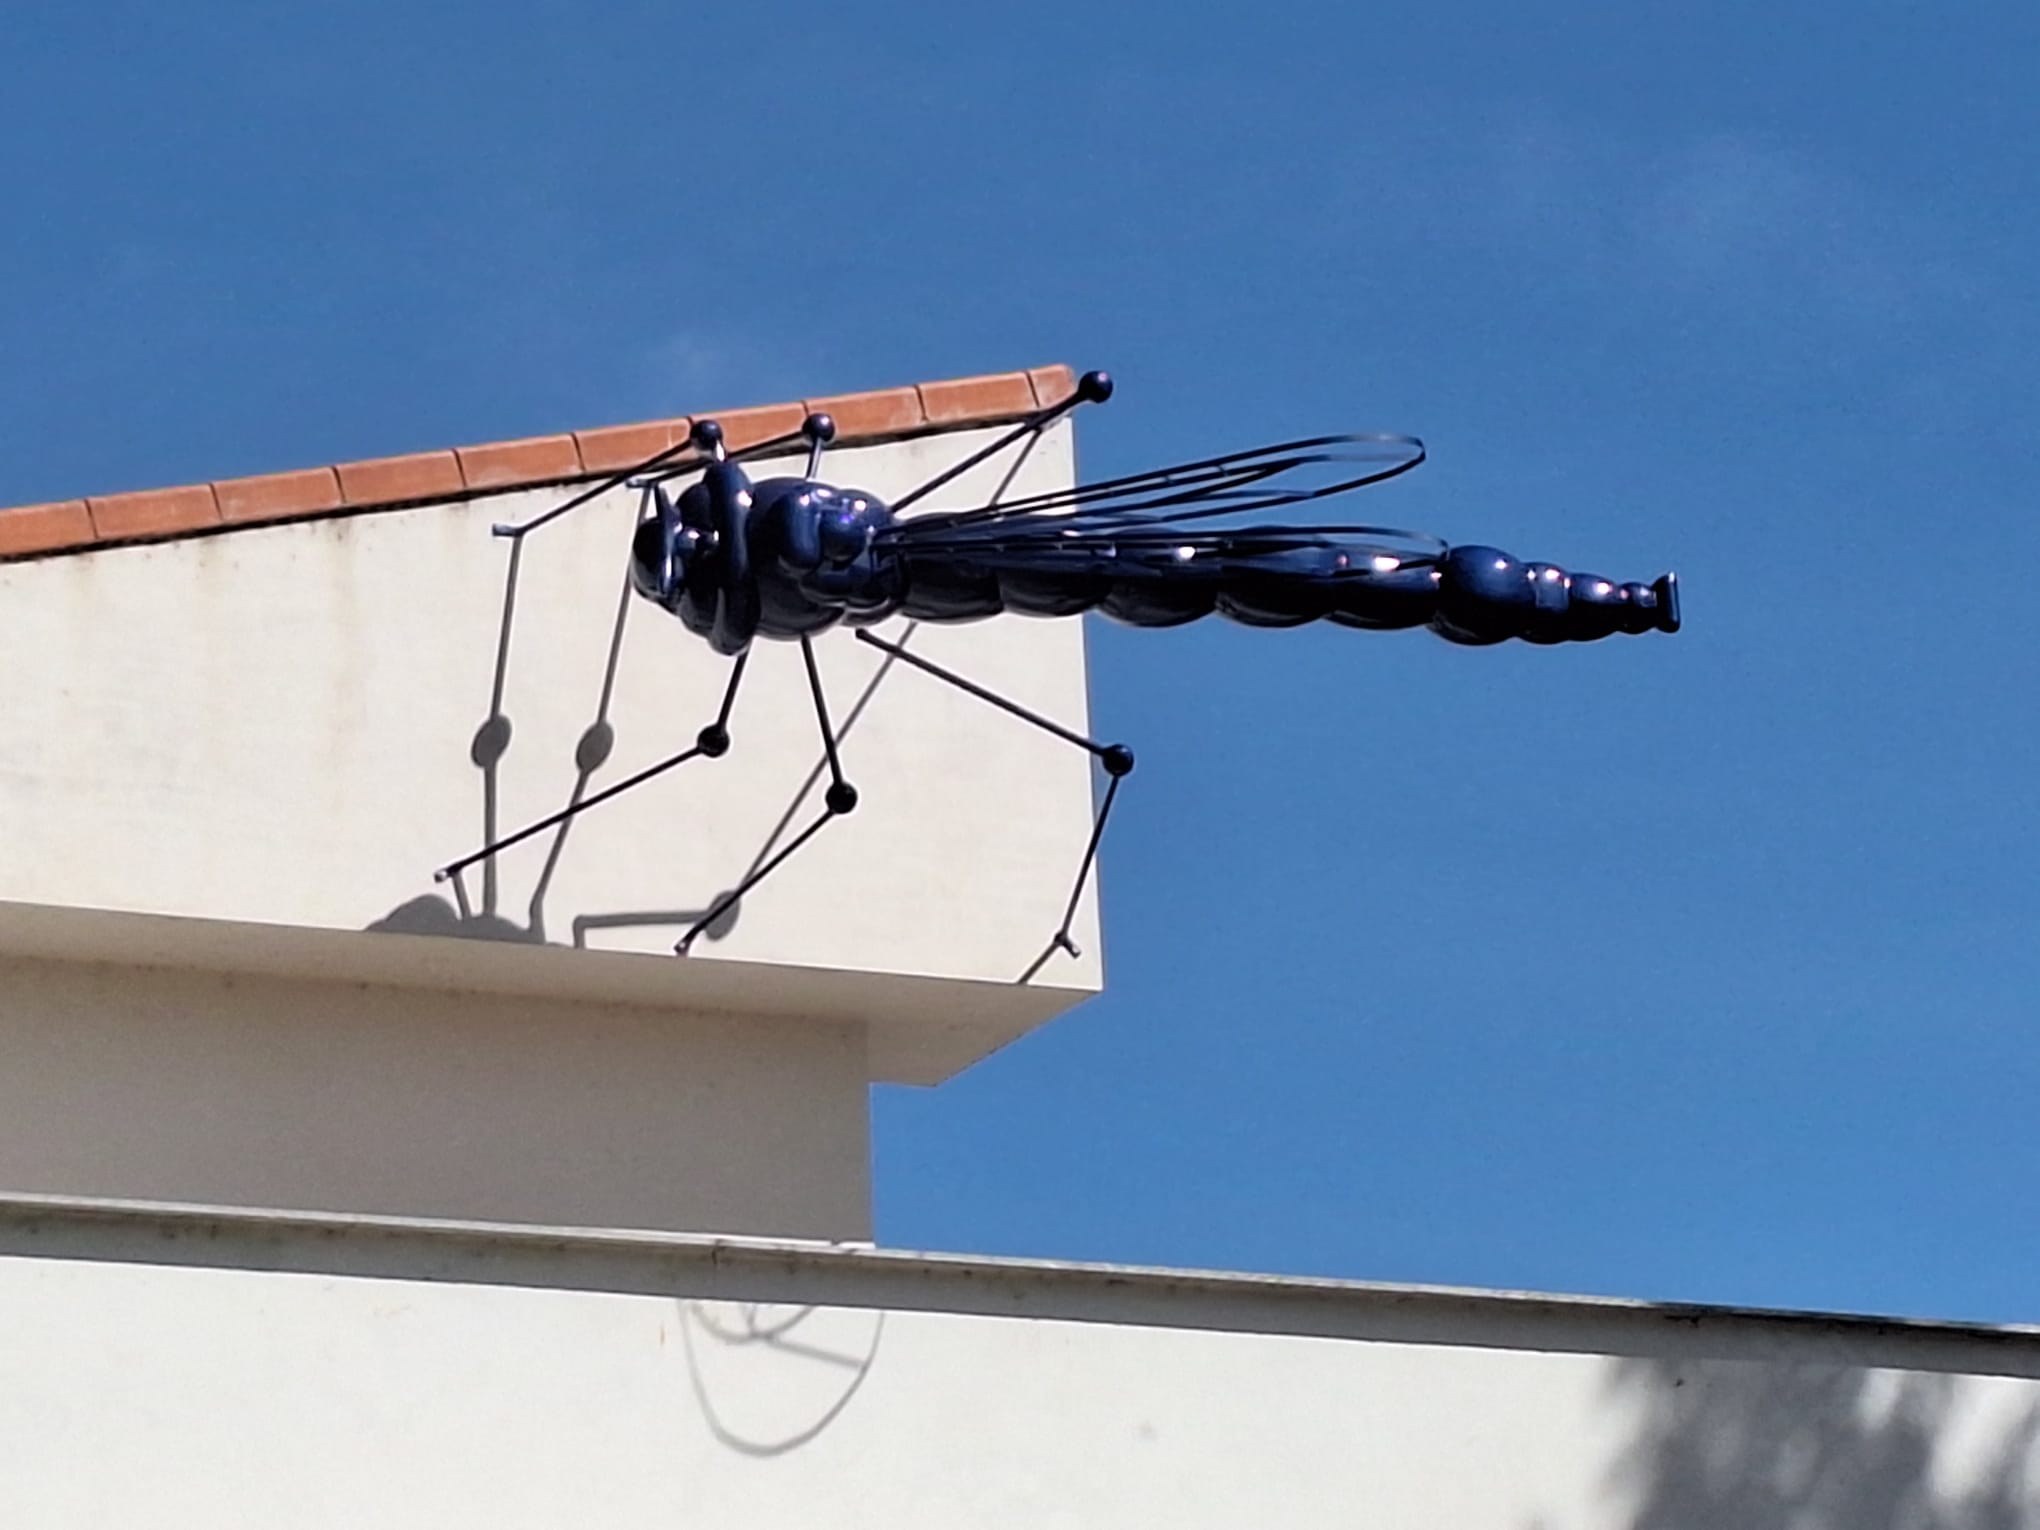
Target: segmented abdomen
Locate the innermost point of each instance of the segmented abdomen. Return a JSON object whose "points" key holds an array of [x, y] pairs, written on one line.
{"points": [[1473, 595]]}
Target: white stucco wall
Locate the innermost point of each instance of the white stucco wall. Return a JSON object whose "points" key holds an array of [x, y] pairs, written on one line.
{"points": [[276, 726], [230, 764], [263, 1092], [140, 1394]]}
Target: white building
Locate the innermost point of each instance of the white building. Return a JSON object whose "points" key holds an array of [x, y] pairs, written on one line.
{"points": [[337, 1195]]}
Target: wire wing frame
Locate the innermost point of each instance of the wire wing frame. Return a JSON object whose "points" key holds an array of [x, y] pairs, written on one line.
{"points": [[1157, 505]]}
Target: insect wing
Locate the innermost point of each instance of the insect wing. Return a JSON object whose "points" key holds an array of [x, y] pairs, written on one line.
{"points": [[1238, 483]]}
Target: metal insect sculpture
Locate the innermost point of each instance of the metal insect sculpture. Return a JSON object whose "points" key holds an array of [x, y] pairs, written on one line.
{"points": [[787, 558]]}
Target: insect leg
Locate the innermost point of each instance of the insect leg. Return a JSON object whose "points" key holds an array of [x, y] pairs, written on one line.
{"points": [[1116, 759], [1092, 388], [841, 798], [704, 438], [713, 742], [819, 430], [1060, 940], [594, 491]]}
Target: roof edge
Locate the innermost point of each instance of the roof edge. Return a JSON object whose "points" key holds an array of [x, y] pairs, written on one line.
{"points": [[93, 522], [804, 1273]]}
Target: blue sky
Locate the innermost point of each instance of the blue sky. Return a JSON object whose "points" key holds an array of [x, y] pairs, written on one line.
{"points": [[1702, 968]]}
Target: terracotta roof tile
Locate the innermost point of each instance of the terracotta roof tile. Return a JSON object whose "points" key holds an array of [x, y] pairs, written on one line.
{"points": [[1052, 384], [396, 480], [154, 512], [888, 411], [519, 462], [276, 496], [747, 427], [43, 528], [976, 398], [420, 477], [616, 447]]}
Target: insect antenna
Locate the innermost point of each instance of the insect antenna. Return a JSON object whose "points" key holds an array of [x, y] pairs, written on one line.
{"points": [[704, 439]]}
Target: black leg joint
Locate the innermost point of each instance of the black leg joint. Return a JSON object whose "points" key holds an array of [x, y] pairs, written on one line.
{"points": [[713, 741], [1117, 760], [841, 798]]}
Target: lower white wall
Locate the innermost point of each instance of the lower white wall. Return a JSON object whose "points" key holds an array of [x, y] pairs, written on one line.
{"points": [[247, 1091], [191, 1397]]}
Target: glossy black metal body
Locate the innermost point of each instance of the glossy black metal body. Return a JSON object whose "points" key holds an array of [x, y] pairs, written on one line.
{"points": [[786, 558]]}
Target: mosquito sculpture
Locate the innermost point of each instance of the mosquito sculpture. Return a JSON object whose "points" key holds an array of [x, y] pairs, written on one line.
{"points": [[787, 558]]}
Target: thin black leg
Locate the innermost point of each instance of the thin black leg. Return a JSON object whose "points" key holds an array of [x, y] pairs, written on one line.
{"points": [[820, 430], [1092, 388], [1117, 760], [704, 441], [594, 491], [1060, 940], [713, 742], [841, 798]]}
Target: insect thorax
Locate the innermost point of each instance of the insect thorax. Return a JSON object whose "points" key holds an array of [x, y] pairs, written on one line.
{"points": [[782, 558]]}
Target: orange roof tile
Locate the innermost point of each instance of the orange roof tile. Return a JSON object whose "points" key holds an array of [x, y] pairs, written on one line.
{"points": [[388, 483]]}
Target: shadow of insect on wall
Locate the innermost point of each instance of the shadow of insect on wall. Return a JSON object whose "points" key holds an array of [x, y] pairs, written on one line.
{"points": [[462, 917], [769, 1383]]}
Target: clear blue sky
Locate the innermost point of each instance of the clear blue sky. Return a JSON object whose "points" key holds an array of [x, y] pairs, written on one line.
{"points": [[1701, 968]]}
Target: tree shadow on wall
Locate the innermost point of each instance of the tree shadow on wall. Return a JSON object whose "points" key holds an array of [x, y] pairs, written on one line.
{"points": [[1732, 1445]]}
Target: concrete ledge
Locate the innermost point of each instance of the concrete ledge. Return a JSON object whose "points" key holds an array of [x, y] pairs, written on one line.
{"points": [[799, 1274], [919, 1029]]}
